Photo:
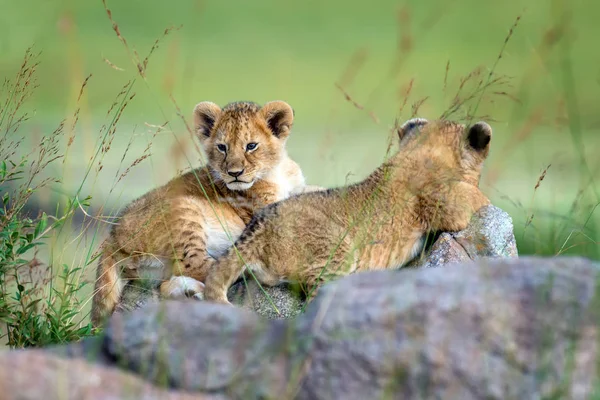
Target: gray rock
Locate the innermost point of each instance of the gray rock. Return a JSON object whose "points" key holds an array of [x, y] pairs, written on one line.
{"points": [[490, 234], [137, 294], [504, 328], [282, 301], [444, 250], [36, 374], [200, 346]]}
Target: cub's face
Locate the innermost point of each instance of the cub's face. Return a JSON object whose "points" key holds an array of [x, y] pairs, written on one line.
{"points": [[243, 141], [449, 145]]}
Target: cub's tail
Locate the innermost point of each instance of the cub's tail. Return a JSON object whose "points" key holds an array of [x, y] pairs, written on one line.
{"points": [[109, 284]]}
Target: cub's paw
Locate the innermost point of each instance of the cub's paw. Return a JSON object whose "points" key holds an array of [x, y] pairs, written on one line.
{"points": [[217, 297], [219, 300], [224, 302], [181, 287]]}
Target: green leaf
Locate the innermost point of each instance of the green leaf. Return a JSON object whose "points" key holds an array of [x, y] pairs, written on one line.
{"points": [[85, 202], [33, 303], [42, 224], [2, 169], [23, 249]]}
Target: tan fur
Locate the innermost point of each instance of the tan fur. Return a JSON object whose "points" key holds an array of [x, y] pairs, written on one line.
{"points": [[179, 227], [431, 184]]}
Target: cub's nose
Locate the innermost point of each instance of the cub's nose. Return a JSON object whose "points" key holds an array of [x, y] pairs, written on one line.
{"points": [[235, 174]]}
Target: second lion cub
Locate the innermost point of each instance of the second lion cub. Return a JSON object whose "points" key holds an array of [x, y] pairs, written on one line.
{"points": [[180, 227], [431, 184]]}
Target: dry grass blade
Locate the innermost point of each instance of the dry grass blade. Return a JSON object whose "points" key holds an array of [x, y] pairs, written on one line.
{"points": [[405, 39], [187, 126], [124, 90], [75, 120], [473, 87], [417, 106], [27, 167], [141, 65], [115, 26], [446, 75], [406, 43], [146, 153], [522, 134], [356, 104], [357, 61], [541, 178], [155, 46], [83, 85], [406, 95], [19, 91], [500, 54], [110, 64], [537, 185]]}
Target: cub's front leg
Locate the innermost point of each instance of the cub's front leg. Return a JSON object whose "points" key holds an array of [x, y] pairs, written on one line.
{"points": [[462, 202]]}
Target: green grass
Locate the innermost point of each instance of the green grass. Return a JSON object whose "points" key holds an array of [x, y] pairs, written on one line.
{"points": [[298, 52]]}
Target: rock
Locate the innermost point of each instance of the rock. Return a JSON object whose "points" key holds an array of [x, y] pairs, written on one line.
{"points": [[35, 374], [444, 250], [137, 294], [283, 301], [504, 328], [490, 234], [200, 346]]}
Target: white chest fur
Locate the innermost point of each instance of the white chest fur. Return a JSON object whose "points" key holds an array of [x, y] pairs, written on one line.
{"points": [[287, 180], [219, 238]]}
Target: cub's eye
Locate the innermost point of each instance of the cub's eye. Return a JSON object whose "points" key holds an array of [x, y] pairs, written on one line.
{"points": [[222, 148], [251, 146]]}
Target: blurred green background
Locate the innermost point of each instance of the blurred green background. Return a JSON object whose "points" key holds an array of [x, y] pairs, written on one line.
{"points": [[298, 51]]}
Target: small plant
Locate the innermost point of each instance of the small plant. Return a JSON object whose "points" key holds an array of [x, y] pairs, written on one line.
{"points": [[35, 307]]}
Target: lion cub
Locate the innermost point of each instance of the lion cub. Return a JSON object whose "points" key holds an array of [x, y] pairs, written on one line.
{"points": [[431, 184], [181, 226]]}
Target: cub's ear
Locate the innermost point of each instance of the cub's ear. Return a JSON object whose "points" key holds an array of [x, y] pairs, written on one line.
{"points": [[279, 116], [411, 127], [479, 136], [205, 115]]}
